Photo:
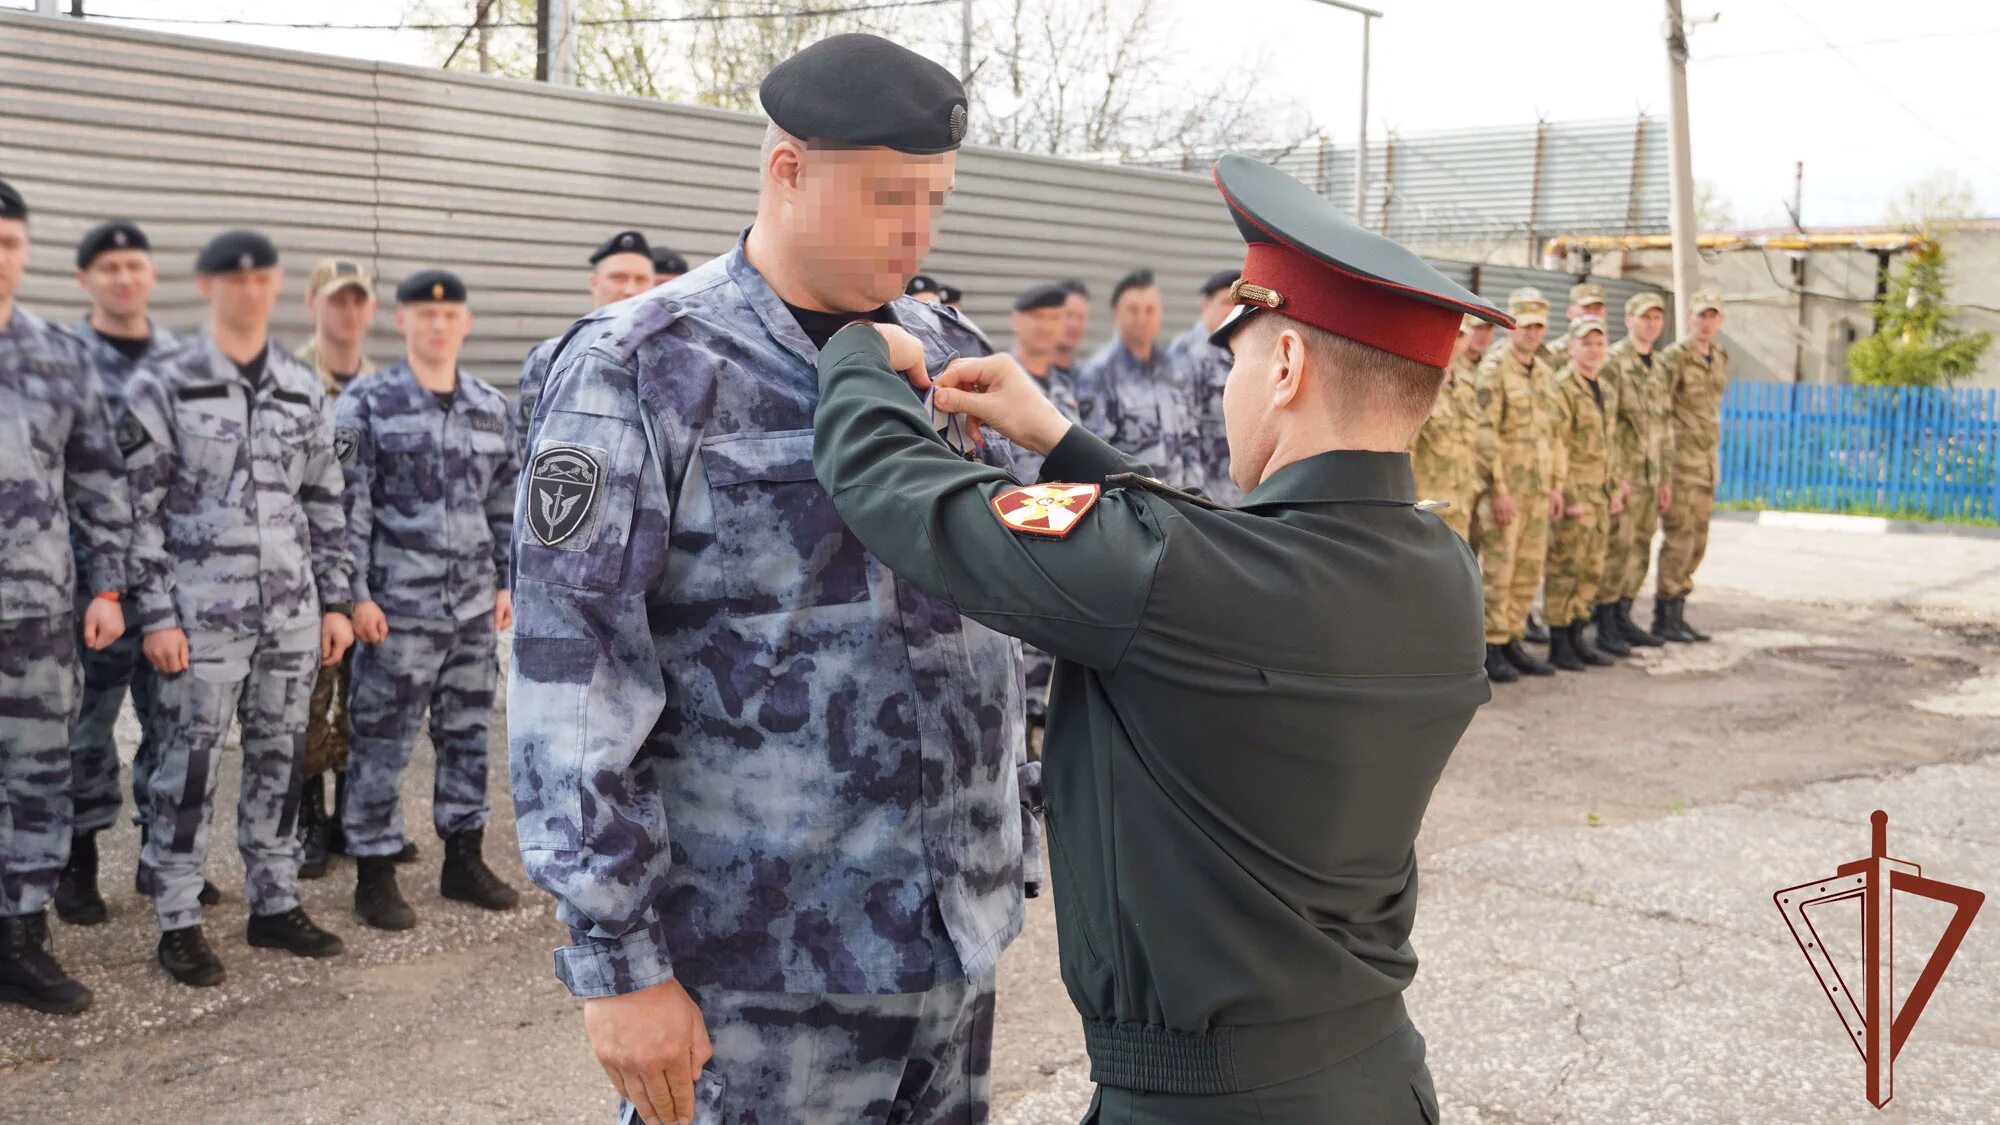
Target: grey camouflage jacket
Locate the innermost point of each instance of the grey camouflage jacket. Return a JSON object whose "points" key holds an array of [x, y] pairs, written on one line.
{"points": [[534, 375], [1139, 406]]}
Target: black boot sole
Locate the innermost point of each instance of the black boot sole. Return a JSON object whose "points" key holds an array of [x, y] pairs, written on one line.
{"points": [[496, 905], [196, 982], [333, 949], [393, 925], [90, 912], [14, 994]]}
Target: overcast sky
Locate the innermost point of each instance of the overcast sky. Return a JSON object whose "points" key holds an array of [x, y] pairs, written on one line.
{"points": [[1869, 95]]}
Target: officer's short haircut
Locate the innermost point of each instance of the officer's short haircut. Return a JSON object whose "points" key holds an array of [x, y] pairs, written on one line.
{"points": [[1137, 279], [1366, 383]]}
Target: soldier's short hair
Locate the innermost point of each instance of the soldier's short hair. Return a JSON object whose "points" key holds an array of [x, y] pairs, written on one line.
{"points": [[1364, 382], [1137, 279]]}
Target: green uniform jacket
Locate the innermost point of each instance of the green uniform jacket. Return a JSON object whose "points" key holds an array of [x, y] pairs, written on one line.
{"points": [[1639, 427], [1249, 710], [1694, 388], [1584, 429], [1517, 446]]}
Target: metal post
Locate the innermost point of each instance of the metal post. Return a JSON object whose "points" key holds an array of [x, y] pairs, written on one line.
{"points": [[965, 41], [562, 42], [1680, 162], [1361, 133], [45, 7]]}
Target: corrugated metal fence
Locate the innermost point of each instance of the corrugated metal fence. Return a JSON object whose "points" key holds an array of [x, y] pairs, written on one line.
{"points": [[511, 183], [1895, 451]]}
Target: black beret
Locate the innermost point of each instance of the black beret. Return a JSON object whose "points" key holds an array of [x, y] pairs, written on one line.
{"points": [[666, 261], [12, 206], [1137, 279], [1076, 287], [921, 283], [624, 242], [866, 92], [1050, 296], [1220, 280], [427, 286], [950, 294], [233, 251], [118, 234]]}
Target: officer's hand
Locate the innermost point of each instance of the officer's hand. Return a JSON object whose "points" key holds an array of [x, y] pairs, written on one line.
{"points": [[906, 354], [369, 623], [652, 1043], [1557, 506], [503, 611], [1503, 510], [1666, 498], [1617, 503], [103, 622], [993, 391], [336, 636], [166, 650], [1624, 491]]}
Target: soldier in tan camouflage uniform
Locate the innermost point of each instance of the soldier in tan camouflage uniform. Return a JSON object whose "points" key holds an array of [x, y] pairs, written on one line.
{"points": [[1444, 454], [1591, 492], [1465, 369], [1521, 461], [1639, 455], [1697, 372]]}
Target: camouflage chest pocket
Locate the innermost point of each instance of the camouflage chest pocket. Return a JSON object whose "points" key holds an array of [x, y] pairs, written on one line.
{"points": [[779, 541], [406, 464], [209, 444], [285, 432]]}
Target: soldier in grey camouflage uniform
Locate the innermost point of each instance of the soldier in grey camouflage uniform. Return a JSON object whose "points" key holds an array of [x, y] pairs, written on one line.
{"points": [[64, 522], [621, 268], [1205, 369], [1129, 393], [114, 265], [772, 787], [241, 582], [428, 458]]}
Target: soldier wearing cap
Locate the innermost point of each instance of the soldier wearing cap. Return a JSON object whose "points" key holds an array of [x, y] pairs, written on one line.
{"points": [[667, 265], [1590, 494], [340, 296], [427, 457], [1639, 457], [1233, 925], [64, 525], [1076, 323], [1696, 372], [923, 287], [1128, 393], [1037, 324], [114, 266], [1520, 459], [1586, 299], [951, 296], [1204, 368], [241, 588], [771, 785], [621, 268], [1444, 455]]}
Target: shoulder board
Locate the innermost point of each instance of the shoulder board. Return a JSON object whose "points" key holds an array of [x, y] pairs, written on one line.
{"points": [[1148, 484]]}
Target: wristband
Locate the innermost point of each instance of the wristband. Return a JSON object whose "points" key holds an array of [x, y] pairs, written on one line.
{"points": [[345, 609], [109, 595]]}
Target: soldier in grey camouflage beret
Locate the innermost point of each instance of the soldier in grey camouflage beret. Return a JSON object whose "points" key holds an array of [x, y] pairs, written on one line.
{"points": [[60, 480]]}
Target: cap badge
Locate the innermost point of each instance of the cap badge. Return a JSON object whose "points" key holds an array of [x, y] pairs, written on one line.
{"points": [[625, 240], [246, 261], [437, 290], [118, 238], [957, 123], [1244, 292]]}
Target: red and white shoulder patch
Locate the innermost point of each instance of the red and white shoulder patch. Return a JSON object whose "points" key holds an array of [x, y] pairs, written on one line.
{"points": [[1051, 510]]}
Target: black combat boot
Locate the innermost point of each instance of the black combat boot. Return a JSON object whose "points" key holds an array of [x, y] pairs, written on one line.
{"points": [[1664, 624], [313, 852], [185, 954], [293, 932], [76, 897], [1562, 649], [1497, 668], [377, 899], [1585, 651], [1533, 631], [29, 974], [1609, 640], [466, 877], [1681, 622], [1519, 658], [1630, 630]]}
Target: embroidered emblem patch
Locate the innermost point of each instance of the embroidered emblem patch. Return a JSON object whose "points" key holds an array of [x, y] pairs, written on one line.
{"points": [[563, 485], [131, 435], [1052, 510], [345, 442]]}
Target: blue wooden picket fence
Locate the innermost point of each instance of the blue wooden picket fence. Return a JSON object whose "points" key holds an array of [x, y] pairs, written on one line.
{"points": [[1899, 451]]}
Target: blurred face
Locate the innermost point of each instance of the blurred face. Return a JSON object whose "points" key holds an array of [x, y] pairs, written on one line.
{"points": [[13, 255], [242, 301], [435, 330], [1588, 353], [1137, 316], [1037, 331], [620, 276], [1075, 320], [1458, 349], [1526, 338], [1594, 309], [344, 315], [1215, 309], [1646, 328], [860, 220], [120, 282], [1482, 338], [1707, 323]]}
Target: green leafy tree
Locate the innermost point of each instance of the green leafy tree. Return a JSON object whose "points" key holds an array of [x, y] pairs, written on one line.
{"points": [[1916, 345]]}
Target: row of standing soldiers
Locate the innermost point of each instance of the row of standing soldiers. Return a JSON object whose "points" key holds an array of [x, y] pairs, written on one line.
{"points": [[1558, 464]]}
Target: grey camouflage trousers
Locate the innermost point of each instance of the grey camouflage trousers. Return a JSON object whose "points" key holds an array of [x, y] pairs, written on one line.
{"points": [[38, 694], [264, 683], [448, 668], [93, 746], [782, 1058]]}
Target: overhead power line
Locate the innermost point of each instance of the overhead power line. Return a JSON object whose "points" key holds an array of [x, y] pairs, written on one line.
{"points": [[623, 21]]}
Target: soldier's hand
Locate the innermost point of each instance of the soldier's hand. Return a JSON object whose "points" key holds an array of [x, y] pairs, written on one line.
{"points": [[1558, 507], [103, 622], [906, 354], [166, 650], [1617, 503], [652, 1043], [994, 392], [503, 611], [336, 636], [1666, 498], [369, 623], [1503, 510]]}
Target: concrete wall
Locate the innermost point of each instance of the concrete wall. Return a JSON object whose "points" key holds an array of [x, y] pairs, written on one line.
{"points": [[510, 183]]}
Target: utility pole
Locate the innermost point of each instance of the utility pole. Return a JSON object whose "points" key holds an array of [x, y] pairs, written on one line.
{"points": [[1368, 18], [555, 42], [45, 7], [1680, 164], [965, 41]]}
